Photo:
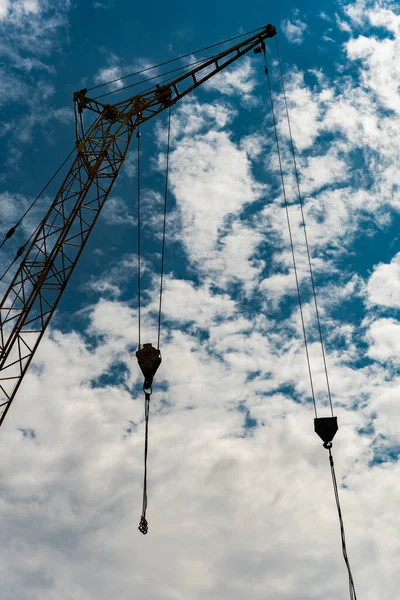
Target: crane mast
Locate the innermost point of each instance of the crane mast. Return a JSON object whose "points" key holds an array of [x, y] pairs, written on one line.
{"points": [[48, 263]]}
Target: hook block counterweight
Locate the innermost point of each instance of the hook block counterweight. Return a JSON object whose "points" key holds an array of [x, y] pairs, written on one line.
{"points": [[326, 428], [149, 359]]}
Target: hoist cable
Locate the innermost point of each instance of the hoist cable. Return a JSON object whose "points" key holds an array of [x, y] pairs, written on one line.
{"points": [[342, 532], [149, 358], [187, 67], [164, 225], [13, 229], [291, 238], [301, 203], [327, 445], [143, 526], [138, 234], [167, 62]]}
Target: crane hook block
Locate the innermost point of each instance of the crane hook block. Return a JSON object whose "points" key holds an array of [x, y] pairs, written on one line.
{"points": [[326, 428], [149, 359]]}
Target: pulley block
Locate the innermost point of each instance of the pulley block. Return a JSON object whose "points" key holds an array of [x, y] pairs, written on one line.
{"points": [[149, 359], [326, 428]]}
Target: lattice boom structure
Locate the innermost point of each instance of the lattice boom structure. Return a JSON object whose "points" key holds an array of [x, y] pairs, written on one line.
{"points": [[47, 266]]}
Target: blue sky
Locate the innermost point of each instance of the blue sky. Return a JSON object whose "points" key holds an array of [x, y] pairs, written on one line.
{"points": [[240, 498]]}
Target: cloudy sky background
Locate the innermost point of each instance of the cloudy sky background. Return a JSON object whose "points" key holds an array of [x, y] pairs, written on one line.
{"points": [[240, 495]]}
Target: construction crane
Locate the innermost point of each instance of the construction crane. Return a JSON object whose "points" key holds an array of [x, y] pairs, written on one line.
{"points": [[49, 261], [57, 243]]}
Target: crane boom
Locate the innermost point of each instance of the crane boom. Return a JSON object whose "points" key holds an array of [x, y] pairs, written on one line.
{"points": [[48, 263]]}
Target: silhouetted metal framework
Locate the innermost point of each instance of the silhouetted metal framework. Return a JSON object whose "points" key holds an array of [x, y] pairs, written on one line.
{"points": [[38, 284]]}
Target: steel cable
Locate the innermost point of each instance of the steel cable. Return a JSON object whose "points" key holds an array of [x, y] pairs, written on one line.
{"points": [[301, 203], [138, 235], [167, 62], [164, 226], [352, 589], [187, 67], [291, 238], [143, 525]]}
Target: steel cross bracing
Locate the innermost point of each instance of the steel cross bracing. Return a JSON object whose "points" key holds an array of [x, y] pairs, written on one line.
{"points": [[38, 284]]}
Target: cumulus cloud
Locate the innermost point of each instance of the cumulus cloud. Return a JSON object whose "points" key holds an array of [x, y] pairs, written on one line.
{"points": [[238, 81], [79, 432], [212, 183], [234, 465], [383, 340], [294, 30], [30, 31], [110, 73], [383, 287], [116, 212]]}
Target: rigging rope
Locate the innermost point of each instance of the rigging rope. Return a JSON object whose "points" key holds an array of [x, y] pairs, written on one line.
{"points": [[301, 203], [164, 226], [167, 62], [352, 589], [187, 67], [143, 525], [149, 358], [138, 218], [290, 236], [325, 427]]}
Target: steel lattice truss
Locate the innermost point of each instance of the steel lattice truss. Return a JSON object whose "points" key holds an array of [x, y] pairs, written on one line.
{"points": [[38, 284]]}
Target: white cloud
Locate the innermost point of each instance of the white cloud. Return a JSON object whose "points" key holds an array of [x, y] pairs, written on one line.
{"points": [[253, 145], [193, 117], [117, 276], [383, 287], [18, 9], [13, 206], [224, 500], [294, 30], [116, 212], [381, 67], [76, 498], [383, 339], [130, 164], [183, 302], [4, 8], [321, 171], [32, 26], [305, 106], [30, 31], [212, 183], [103, 5], [324, 16], [110, 73], [211, 179], [237, 81]]}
